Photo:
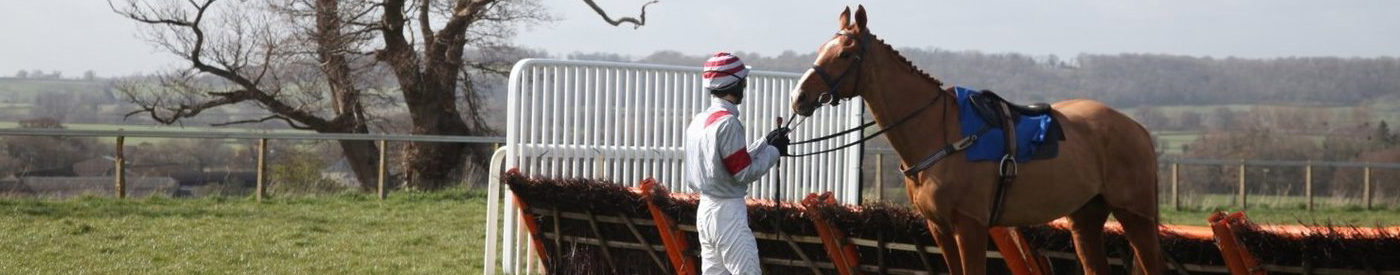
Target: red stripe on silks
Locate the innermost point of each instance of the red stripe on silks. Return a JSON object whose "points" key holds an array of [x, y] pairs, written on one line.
{"points": [[737, 161], [715, 116], [720, 59], [721, 62]]}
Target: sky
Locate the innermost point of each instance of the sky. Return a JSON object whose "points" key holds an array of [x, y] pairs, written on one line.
{"points": [[74, 36]]}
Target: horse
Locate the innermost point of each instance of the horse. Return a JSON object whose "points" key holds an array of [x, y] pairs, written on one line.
{"points": [[1106, 164]]}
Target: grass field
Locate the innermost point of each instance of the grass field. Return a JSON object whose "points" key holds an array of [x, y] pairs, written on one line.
{"points": [[1334, 216], [348, 233], [1285, 210]]}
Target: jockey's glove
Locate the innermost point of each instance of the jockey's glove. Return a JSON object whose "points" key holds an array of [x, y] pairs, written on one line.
{"points": [[779, 139]]}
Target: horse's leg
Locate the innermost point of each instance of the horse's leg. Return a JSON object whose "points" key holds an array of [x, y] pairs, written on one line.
{"points": [[943, 236], [972, 244], [1142, 235], [1087, 227]]}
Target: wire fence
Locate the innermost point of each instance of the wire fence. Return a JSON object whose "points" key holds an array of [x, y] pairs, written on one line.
{"points": [[59, 163], [1207, 184], [168, 163]]}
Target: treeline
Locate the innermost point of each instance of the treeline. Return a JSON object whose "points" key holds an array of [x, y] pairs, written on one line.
{"points": [[1124, 80], [88, 75]]}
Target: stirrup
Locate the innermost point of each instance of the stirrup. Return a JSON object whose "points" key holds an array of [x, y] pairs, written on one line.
{"points": [[1007, 167]]}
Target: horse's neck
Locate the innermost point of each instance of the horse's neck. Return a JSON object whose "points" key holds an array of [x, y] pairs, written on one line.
{"points": [[895, 91]]}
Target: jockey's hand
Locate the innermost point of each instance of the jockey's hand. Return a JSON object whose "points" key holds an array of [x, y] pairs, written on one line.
{"points": [[779, 139]]}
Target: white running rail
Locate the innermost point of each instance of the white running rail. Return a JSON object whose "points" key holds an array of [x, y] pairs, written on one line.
{"points": [[624, 122]]}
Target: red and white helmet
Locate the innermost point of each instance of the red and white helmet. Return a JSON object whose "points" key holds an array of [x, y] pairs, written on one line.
{"points": [[723, 70]]}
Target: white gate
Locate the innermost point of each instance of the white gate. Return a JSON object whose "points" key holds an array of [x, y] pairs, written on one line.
{"points": [[625, 122]]}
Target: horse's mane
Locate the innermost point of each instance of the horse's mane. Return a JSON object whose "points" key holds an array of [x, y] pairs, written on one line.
{"points": [[906, 61]]}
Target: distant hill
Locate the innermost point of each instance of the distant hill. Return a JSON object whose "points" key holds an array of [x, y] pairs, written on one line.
{"points": [[1130, 80], [1126, 81], [25, 90]]}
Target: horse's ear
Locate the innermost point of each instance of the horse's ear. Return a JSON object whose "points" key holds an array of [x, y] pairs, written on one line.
{"points": [[845, 19], [860, 17]]}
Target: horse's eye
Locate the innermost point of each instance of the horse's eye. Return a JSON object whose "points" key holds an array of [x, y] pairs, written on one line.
{"points": [[844, 55]]}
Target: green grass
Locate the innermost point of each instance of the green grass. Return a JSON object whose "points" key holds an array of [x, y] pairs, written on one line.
{"points": [[1279, 209], [1218, 201], [347, 233], [1350, 216]]}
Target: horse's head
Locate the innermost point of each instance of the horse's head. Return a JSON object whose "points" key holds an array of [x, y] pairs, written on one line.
{"points": [[838, 66]]}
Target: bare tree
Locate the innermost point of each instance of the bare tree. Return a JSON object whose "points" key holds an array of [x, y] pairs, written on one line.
{"points": [[318, 65]]}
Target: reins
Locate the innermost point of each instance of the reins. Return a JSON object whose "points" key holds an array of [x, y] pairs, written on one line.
{"points": [[896, 124]]}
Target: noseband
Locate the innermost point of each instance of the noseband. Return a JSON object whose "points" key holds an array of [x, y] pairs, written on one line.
{"points": [[832, 84]]}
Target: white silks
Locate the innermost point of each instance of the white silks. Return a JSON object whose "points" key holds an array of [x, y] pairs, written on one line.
{"points": [[719, 166]]}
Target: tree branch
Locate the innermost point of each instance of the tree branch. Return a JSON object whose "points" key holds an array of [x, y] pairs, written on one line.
{"points": [[636, 22], [397, 51], [290, 123], [227, 58], [424, 24], [182, 110]]}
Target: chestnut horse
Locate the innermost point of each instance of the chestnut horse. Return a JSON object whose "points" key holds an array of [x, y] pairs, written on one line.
{"points": [[1105, 165]]}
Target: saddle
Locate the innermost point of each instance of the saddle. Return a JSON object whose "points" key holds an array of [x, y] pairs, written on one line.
{"points": [[1002, 114], [988, 105], [985, 112]]}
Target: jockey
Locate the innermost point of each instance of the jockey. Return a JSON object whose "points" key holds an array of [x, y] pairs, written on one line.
{"points": [[720, 167]]}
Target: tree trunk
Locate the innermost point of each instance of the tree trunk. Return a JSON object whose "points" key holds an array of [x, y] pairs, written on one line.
{"points": [[433, 109], [363, 158]]}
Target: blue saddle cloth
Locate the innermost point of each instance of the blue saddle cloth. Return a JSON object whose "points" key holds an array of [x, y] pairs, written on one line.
{"points": [[1030, 133]]}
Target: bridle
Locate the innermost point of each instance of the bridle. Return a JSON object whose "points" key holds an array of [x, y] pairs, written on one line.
{"points": [[830, 96], [833, 84]]}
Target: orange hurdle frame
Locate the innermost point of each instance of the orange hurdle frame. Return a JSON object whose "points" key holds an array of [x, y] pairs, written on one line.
{"points": [[841, 251], [671, 236]]}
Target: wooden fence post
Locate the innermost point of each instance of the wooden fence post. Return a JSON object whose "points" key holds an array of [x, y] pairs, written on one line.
{"points": [[262, 169], [879, 177], [1243, 203], [383, 167], [1366, 187], [1307, 184], [120, 173], [1176, 185]]}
